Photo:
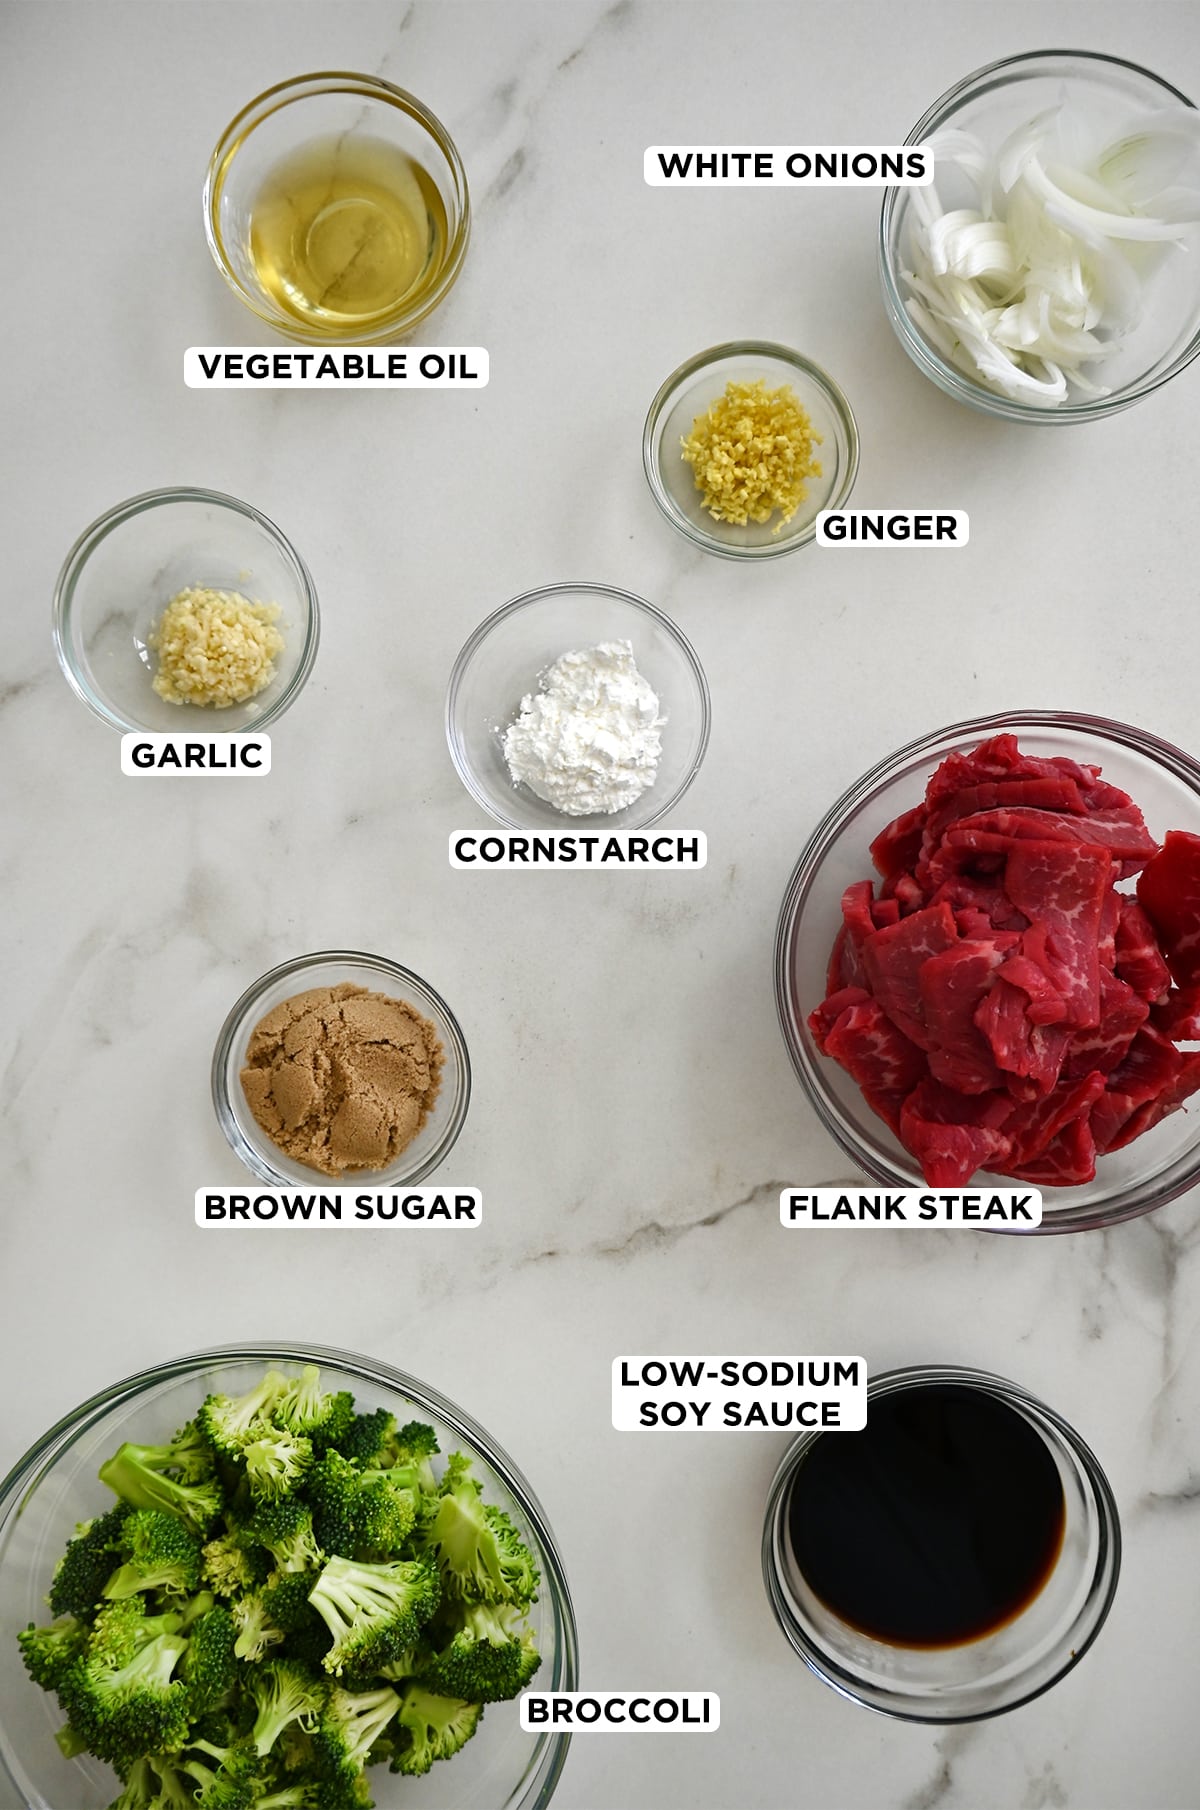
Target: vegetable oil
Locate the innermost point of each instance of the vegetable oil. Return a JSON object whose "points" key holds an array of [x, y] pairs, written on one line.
{"points": [[345, 229]]}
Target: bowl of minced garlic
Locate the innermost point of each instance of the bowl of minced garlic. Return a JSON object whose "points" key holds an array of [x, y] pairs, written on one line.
{"points": [[745, 444], [214, 648]]}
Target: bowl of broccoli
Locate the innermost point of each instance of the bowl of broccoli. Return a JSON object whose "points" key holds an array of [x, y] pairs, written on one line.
{"points": [[276, 1578]]}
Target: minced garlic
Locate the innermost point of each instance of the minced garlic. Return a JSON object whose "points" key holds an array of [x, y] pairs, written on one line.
{"points": [[214, 647], [751, 452]]}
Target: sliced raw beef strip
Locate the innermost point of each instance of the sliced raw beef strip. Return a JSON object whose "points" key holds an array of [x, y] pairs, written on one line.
{"points": [[1138, 959], [1110, 916], [1046, 1004], [1061, 889], [1043, 794], [1149, 1069], [1169, 893], [893, 959], [885, 912], [822, 1021], [951, 986], [895, 849], [1178, 1015], [951, 1137], [845, 964], [911, 897], [1122, 832], [1122, 1015], [1019, 1047], [1068, 1160], [1036, 1126], [886, 1066], [1119, 1117]]}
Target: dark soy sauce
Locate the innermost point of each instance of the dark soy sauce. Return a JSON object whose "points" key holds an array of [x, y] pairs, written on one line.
{"points": [[934, 1526]]}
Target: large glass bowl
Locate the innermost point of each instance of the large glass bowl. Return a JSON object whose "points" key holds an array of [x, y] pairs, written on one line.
{"points": [[991, 103], [1163, 780], [331, 968], [124, 570], [502, 662], [980, 1678], [55, 1486]]}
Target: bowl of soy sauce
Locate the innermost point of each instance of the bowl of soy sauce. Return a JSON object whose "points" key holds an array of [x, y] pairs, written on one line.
{"points": [[952, 1560]]}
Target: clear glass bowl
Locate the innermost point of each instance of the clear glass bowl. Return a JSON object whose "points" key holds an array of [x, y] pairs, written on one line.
{"points": [[691, 390], [329, 968], [981, 1678], [1164, 781], [502, 662], [126, 567], [330, 104], [55, 1485], [991, 103]]}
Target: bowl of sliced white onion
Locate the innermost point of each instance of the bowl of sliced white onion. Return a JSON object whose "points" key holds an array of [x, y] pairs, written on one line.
{"points": [[1044, 274]]}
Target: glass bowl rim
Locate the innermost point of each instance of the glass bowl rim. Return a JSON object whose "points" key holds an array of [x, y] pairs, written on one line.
{"points": [[1141, 741], [1108, 1559], [40, 1458], [239, 1014], [738, 348], [479, 635], [84, 546], [927, 359], [373, 87]]}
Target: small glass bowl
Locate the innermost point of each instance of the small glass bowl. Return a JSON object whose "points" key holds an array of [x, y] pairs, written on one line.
{"points": [[123, 571], [329, 104], [501, 664], [991, 103], [691, 390], [1165, 782], [330, 968], [980, 1678], [55, 1485]]}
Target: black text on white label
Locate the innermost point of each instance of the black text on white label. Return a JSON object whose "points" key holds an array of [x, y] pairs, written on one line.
{"points": [[621, 1712], [788, 166], [926, 528], [341, 368], [830, 1208], [230, 754], [281, 1209], [506, 853], [739, 1394]]}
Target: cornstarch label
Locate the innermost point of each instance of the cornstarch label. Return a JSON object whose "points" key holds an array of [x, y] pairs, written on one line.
{"points": [[1017, 1208], [739, 1394], [622, 1712], [788, 166], [314, 1209], [346, 367], [232, 755], [893, 528], [587, 852]]}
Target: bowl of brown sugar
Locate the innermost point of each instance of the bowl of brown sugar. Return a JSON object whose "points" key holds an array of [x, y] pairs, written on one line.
{"points": [[342, 1065]]}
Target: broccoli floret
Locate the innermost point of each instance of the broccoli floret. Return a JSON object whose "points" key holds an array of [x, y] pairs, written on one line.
{"points": [[284, 1692], [234, 1783], [491, 1658], [285, 1529], [231, 1568], [87, 1564], [306, 1411], [275, 1462], [521, 1575], [438, 1728], [139, 1475], [463, 1540], [209, 1667], [174, 1791], [285, 1600], [351, 1722], [414, 1444], [257, 1633], [123, 1628], [228, 1423], [48, 1652], [373, 1612], [127, 1710], [141, 1788], [407, 1665], [367, 1437], [160, 1554], [361, 1514]]}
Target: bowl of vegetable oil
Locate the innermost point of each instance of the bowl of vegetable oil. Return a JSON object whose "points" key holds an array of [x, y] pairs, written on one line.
{"points": [[336, 209]]}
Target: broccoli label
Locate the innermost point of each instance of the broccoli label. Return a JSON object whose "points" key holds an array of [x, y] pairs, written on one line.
{"points": [[736, 1394], [622, 1712], [447, 1209]]}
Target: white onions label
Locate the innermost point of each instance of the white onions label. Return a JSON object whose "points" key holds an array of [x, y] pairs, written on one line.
{"points": [[739, 1394], [788, 166]]}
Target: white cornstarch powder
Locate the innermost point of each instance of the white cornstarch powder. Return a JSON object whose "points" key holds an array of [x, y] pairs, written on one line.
{"points": [[589, 741]]}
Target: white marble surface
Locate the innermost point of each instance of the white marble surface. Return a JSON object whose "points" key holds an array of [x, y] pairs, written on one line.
{"points": [[634, 1111]]}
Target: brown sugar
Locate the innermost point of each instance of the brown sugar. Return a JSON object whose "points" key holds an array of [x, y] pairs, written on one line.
{"points": [[342, 1078]]}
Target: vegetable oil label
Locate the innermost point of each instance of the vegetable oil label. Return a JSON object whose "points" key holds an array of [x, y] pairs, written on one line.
{"points": [[280, 1209], [621, 1712], [341, 368], [893, 528], [226, 754], [1012, 1209], [579, 851], [738, 1394], [789, 166]]}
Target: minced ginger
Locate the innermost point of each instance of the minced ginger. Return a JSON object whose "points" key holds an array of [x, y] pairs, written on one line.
{"points": [[214, 647], [751, 453]]}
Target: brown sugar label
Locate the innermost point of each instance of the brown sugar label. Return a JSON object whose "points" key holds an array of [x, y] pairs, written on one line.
{"points": [[277, 1209]]}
